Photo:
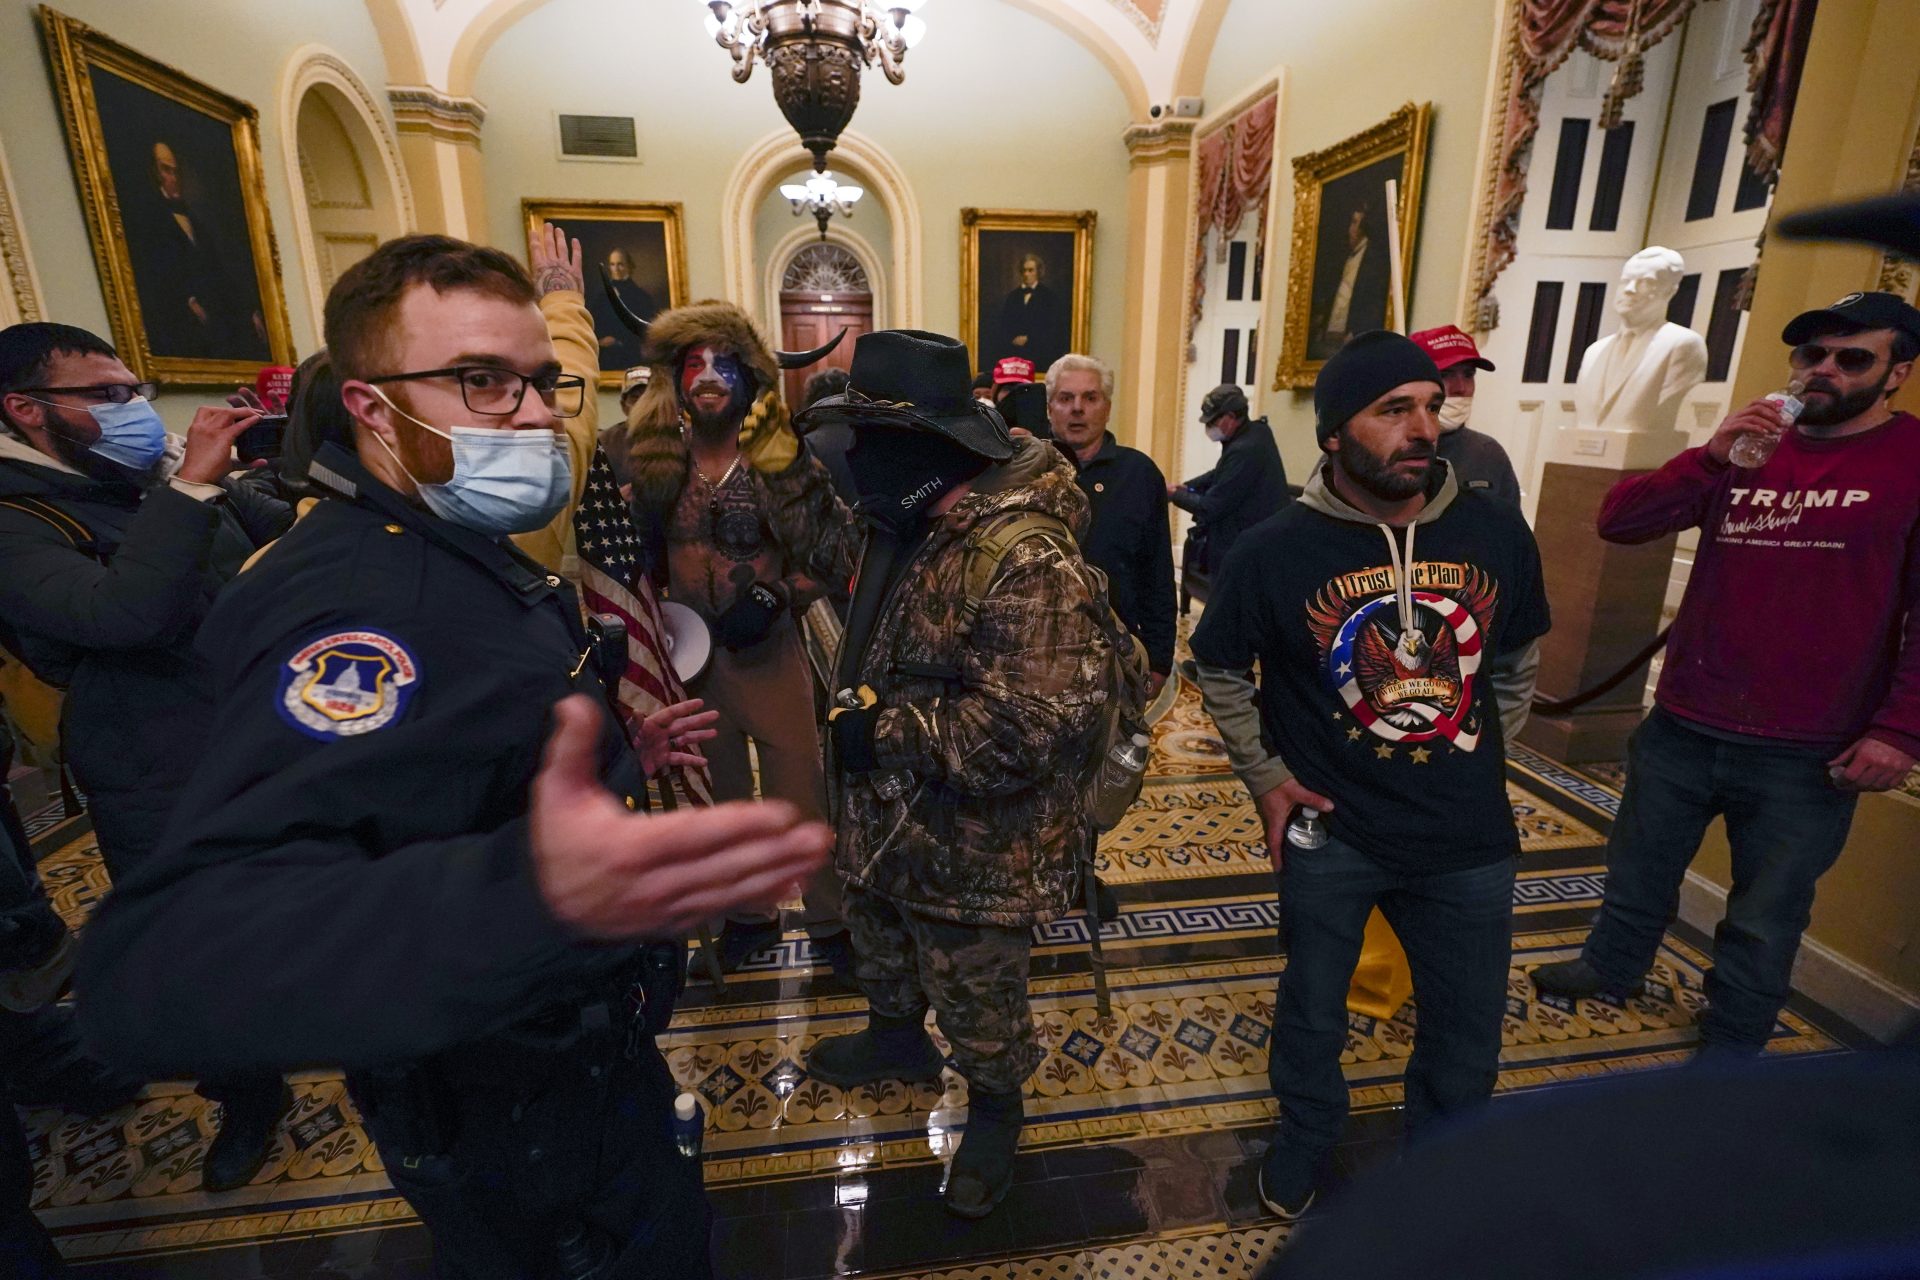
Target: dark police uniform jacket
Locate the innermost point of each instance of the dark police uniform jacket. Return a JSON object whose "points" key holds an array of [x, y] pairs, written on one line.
{"points": [[348, 878]]}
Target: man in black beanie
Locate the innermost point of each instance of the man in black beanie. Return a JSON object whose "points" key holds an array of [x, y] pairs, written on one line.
{"points": [[1388, 686]]}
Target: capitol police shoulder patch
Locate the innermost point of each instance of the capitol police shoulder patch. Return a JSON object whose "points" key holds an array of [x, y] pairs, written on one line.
{"points": [[346, 684]]}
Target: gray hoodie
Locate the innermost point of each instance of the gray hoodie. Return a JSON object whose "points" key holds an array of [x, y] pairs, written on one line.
{"points": [[1233, 700]]}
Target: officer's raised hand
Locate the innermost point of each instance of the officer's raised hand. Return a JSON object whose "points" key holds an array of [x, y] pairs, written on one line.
{"points": [[611, 873]]}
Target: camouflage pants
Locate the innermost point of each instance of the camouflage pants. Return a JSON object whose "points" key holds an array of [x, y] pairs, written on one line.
{"points": [[974, 976]]}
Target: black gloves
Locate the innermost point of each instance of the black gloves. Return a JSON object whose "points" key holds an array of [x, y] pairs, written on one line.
{"points": [[852, 729], [748, 620]]}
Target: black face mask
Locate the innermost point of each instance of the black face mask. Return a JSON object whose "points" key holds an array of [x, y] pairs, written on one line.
{"points": [[901, 473]]}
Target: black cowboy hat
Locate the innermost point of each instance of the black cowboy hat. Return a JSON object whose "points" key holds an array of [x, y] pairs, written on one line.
{"points": [[918, 380]]}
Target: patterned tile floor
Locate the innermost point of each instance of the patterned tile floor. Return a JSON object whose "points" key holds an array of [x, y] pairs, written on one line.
{"points": [[1137, 1160]]}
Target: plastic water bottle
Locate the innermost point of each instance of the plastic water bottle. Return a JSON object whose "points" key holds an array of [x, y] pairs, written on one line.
{"points": [[1753, 450], [1118, 774], [1306, 831], [688, 1125]]}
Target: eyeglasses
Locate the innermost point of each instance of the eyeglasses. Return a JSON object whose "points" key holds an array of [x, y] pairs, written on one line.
{"points": [[106, 393], [1811, 355], [498, 392]]}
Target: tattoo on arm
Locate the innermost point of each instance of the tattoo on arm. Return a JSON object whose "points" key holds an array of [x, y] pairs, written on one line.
{"points": [[556, 277]]}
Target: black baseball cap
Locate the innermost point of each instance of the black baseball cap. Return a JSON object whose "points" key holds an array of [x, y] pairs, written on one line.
{"points": [[1853, 313], [1225, 398]]}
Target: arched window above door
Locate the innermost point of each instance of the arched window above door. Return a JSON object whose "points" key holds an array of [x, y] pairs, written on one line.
{"points": [[825, 268]]}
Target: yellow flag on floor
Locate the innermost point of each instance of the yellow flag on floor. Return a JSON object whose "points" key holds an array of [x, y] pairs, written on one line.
{"points": [[1381, 981]]}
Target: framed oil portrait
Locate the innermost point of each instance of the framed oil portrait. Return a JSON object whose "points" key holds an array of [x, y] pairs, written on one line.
{"points": [[644, 248], [176, 208], [1338, 275], [1026, 284]]}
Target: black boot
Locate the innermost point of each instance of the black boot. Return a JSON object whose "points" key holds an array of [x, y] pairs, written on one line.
{"points": [[46, 1066], [1575, 979], [741, 940], [982, 1168], [248, 1120], [889, 1049]]}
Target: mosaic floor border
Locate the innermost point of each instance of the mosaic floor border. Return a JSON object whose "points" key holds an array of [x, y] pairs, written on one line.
{"points": [[1183, 1055], [1207, 1253]]}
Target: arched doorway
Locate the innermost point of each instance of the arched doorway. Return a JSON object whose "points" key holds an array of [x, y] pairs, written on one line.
{"points": [[823, 289], [350, 203]]}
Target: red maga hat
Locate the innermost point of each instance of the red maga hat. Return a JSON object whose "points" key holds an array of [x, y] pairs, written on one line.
{"points": [[1012, 369], [1450, 345]]}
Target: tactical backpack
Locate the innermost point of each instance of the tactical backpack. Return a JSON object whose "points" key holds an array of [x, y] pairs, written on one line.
{"points": [[1123, 688]]}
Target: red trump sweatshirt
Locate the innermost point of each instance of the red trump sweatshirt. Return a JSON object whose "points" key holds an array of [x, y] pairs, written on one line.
{"points": [[1797, 622]]}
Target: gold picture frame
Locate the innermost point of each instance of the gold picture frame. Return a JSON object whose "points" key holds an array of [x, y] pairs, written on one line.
{"points": [[1344, 181], [176, 209], [651, 233], [993, 245]]}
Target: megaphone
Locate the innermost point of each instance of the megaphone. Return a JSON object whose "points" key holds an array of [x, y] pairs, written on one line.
{"points": [[689, 645]]}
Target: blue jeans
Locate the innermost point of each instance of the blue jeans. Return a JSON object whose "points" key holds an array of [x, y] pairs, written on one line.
{"points": [[1457, 928], [1786, 824]]}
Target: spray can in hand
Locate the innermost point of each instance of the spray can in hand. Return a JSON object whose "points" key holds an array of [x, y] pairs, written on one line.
{"points": [[1307, 830]]}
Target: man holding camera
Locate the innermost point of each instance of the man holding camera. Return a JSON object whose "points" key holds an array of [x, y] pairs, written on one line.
{"points": [[114, 538]]}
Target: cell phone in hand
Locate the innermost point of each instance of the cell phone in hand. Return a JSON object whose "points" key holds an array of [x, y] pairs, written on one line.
{"points": [[261, 441]]}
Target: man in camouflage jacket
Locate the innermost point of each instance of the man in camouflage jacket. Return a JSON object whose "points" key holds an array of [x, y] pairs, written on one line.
{"points": [[958, 777]]}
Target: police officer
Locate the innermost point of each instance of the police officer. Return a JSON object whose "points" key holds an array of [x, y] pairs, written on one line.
{"points": [[376, 860]]}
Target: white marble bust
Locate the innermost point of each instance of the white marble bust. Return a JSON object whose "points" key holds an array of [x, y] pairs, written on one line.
{"points": [[1634, 379]]}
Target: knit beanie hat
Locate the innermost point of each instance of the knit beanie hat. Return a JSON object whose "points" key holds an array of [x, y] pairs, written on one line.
{"points": [[1369, 366]]}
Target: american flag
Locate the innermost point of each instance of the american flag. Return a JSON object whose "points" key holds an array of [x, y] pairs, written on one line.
{"points": [[611, 581]]}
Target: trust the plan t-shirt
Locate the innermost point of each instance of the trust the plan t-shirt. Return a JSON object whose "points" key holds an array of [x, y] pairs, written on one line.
{"points": [[1397, 725]]}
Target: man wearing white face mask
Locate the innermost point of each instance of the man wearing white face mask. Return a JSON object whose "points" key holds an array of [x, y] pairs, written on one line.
{"points": [[486, 939], [114, 539], [1248, 485], [1477, 459]]}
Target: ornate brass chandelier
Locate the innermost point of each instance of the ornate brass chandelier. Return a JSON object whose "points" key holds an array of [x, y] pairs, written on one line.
{"points": [[815, 50]]}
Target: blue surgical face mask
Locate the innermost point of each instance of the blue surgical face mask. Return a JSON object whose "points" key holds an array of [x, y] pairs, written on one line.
{"points": [[504, 481], [131, 434]]}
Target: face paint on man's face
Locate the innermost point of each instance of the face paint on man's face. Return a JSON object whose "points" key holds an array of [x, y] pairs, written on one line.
{"points": [[714, 386]]}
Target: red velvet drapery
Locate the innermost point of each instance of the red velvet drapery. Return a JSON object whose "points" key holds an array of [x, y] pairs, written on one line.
{"points": [[1233, 166], [1548, 32]]}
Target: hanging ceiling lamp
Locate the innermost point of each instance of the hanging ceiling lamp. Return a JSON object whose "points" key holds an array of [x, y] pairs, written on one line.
{"points": [[823, 196], [815, 50]]}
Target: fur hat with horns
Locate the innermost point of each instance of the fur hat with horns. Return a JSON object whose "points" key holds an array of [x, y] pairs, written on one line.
{"points": [[660, 458]]}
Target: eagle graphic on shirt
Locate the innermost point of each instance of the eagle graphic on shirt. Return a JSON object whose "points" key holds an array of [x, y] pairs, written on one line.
{"points": [[1407, 683]]}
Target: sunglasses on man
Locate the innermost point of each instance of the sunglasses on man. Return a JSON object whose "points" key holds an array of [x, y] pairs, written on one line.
{"points": [[1811, 355]]}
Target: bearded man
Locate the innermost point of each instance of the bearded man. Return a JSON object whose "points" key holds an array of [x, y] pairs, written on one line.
{"points": [[727, 501], [1387, 687]]}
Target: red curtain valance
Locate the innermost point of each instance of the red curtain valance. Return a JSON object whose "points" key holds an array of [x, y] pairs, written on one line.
{"points": [[1233, 167], [1547, 33]]}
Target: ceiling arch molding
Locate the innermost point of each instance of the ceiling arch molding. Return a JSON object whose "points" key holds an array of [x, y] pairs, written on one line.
{"points": [[399, 44], [313, 66], [773, 158]]}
